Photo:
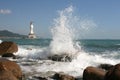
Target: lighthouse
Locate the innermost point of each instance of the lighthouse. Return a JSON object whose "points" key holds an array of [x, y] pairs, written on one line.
{"points": [[31, 35]]}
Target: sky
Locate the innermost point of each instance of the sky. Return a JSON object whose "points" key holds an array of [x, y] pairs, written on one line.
{"points": [[15, 16]]}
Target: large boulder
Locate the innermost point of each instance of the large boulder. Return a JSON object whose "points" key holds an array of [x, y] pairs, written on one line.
{"points": [[93, 73], [11, 67], [113, 73], [5, 74], [8, 47]]}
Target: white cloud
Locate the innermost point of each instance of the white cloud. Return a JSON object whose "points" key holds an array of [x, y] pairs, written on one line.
{"points": [[5, 11]]}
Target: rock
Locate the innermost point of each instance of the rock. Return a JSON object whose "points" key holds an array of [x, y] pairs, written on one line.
{"points": [[62, 58], [8, 47], [40, 78], [61, 76], [93, 73], [11, 67], [5, 74], [9, 55], [105, 66], [113, 73]]}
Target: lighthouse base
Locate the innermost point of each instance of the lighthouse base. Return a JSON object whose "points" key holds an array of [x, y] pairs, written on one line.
{"points": [[31, 36]]}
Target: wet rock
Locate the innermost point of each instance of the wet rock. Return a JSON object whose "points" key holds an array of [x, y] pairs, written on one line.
{"points": [[5, 74], [8, 47], [11, 67], [93, 73], [9, 55], [40, 78], [61, 76], [113, 73], [62, 58], [105, 66]]}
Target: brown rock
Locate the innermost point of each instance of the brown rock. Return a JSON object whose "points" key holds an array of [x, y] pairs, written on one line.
{"points": [[11, 67], [5, 74], [113, 73], [60, 76], [8, 47], [93, 73]]}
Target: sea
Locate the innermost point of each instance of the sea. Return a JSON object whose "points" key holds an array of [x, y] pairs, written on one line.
{"points": [[93, 52], [66, 33]]}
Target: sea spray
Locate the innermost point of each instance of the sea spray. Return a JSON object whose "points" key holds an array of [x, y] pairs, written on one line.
{"points": [[0, 41], [66, 29], [63, 34]]}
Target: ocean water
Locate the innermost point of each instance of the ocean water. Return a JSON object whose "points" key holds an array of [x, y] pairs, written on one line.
{"points": [[34, 52], [66, 39]]}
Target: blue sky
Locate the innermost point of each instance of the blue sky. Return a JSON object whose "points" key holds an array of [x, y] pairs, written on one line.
{"points": [[15, 15]]}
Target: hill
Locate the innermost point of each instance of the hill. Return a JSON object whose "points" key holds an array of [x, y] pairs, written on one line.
{"points": [[6, 34]]}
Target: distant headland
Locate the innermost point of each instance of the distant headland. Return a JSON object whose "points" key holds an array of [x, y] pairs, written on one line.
{"points": [[9, 34]]}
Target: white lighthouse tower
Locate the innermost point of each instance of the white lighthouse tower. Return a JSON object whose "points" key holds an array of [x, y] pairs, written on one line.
{"points": [[31, 34]]}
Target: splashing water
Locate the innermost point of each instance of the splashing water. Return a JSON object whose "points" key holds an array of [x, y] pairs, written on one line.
{"points": [[62, 34], [66, 29], [0, 41]]}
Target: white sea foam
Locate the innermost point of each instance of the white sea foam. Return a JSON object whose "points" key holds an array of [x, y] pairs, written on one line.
{"points": [[75, 68], [32, 52], [0, 41]]}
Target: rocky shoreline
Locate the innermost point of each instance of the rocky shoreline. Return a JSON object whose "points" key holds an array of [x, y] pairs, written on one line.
{"points": [[10, 70]]}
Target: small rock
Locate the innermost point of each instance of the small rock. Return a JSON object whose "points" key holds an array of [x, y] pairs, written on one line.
{"points": [[60, 76], [40, 78], [62, 58], [105, 66]]}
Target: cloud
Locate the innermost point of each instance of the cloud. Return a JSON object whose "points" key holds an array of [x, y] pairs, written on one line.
{"points": [[5, 11]]}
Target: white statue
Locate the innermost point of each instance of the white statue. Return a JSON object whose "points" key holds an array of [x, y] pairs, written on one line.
{"points": [[31, 28], [31, 34]]}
